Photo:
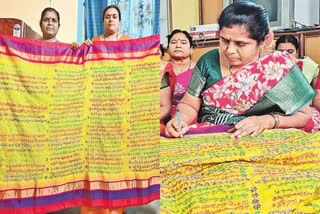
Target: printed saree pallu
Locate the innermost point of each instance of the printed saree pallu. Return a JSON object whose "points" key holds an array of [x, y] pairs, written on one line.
{"points": [[272, 84]]}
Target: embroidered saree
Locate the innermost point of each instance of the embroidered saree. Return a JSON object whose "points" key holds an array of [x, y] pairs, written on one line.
{"points": [[272, 84]]}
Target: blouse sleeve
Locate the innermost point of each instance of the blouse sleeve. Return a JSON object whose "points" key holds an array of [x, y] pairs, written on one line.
{"points": [[198, 78], [318, 83], [205, 73], [165, 81]]}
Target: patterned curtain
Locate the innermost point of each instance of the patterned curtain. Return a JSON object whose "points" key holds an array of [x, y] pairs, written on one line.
{"points": [[139, 18]]}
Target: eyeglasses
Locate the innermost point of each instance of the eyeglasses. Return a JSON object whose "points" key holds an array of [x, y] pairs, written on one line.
{"points": [[290, 51]]}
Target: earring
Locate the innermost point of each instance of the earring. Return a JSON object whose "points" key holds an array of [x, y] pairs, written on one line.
{"points": [[259, 59]]}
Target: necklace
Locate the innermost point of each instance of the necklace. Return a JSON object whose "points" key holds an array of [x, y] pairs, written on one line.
{"points": [[106, 38], [49, 40], [178, 69]]}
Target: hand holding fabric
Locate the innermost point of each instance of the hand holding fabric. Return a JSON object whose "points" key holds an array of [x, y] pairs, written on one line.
{"points": [[249, 126]]}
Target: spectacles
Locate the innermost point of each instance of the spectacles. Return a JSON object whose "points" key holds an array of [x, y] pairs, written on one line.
{"points": [[290, 51]]}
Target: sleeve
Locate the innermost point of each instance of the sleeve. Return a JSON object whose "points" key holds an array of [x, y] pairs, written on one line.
{"points": [[198, 78], [318, 83], [165, 81], [124, 37], [96, 38]]}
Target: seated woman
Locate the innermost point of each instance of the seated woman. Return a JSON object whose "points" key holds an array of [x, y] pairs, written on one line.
{"points": [[49, 24], [310, 69], [180, 65], [233, 86]]}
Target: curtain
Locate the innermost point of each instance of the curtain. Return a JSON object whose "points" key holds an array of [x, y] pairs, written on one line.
{"points": [[139, 18]]}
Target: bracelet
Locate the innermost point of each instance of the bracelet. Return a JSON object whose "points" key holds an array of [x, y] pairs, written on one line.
{"points": [[276, 120], [189, 106]]}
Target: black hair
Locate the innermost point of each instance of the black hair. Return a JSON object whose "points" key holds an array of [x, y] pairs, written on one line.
{"points": [[162, 50], [48, 9], [180, 31], [248, 14], [112, 6], [287, 38]]}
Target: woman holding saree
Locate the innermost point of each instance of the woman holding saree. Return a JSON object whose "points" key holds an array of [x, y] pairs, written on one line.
{"points": [[49, 24], [234, 86], [111, 22]]}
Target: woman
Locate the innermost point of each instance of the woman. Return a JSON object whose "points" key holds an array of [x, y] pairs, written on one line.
{"points": [[111, 22], [180, 66], [290, 44], [233, 86], [49, 24], [309, 68]]}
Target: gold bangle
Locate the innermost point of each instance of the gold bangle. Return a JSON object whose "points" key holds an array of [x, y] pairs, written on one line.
{"points": [[276, 120]]}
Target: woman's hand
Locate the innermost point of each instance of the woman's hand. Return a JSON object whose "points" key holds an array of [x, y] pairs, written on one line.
{"points": [[74, 46], [173, 128], [88, 42], [252, 126]]}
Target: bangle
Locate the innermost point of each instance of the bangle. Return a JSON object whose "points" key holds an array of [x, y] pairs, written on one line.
{"points": [[276, 120]]}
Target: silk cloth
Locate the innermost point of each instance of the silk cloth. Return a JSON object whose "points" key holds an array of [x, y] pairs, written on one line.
{"points": [[78, 128], [275, 172]]}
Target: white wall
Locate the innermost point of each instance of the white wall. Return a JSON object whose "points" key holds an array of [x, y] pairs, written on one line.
{"points": [[164, 21], [307, 11], [29, 11]]}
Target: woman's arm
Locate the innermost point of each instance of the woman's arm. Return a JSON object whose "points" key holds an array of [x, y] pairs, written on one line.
{"points": [[189, 107], [254, 125], [165, 103], [316, 98]]}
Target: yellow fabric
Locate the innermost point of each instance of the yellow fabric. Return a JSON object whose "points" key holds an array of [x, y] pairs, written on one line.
{"points": [[78, 127], [275, 172]]}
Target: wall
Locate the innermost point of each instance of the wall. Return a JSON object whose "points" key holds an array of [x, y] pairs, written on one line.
{"points": [[211, 11], [164, 28], [184, 14], [307, 11], [30, 11]]}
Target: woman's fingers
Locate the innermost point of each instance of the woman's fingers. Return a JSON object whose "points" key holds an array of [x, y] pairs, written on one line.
{"points": [[88, 42], [173, 128], [249, 126], [233, 129], [74, 45]]}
